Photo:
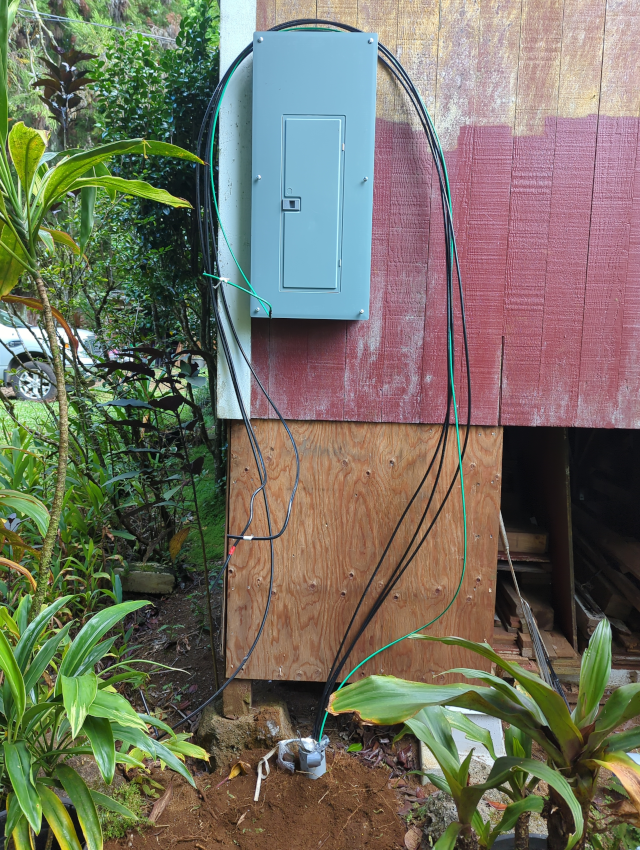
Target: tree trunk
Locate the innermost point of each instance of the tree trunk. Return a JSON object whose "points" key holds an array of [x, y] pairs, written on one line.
{"points": [[560, 822], [46, 553], [522, 832]]}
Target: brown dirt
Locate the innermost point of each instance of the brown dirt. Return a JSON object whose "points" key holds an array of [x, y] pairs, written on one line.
{"points": [[350, 808], [174, 632]]}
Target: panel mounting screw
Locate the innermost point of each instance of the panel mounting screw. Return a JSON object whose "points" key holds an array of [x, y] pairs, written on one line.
{"points": [[256, 310], [361, 312], [259, 177], [260, 40], [370, 41], [364, 180]]}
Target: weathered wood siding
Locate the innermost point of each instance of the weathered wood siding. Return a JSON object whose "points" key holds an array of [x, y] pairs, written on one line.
{"points": [[537, 103]]}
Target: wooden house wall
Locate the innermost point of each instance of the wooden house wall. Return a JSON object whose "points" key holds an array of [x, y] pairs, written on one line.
{"points": [[537, 103]]}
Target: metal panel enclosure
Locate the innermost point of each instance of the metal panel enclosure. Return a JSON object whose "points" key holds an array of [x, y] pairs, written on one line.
{"points": [[314, 103]]}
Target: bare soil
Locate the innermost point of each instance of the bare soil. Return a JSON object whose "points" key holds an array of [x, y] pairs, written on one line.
{"points": [[351, 807]]}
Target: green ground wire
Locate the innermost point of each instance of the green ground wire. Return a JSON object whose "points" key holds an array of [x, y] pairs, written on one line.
{"points": [[464, 506], [263, 301], [252, 291]]}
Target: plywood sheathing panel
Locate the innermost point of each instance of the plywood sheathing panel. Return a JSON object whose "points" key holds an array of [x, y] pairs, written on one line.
{"points": [[356, 478], [537, 105]]}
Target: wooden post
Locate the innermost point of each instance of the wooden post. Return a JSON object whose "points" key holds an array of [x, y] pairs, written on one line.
{"points": [[236, 699]]}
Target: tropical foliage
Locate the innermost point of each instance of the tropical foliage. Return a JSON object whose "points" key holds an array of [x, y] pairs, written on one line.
{"points": [[33, 183], [577, 744], [45, 720]]}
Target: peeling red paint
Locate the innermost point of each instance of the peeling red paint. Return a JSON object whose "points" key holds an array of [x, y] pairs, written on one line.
{"points": [[548, 229]]}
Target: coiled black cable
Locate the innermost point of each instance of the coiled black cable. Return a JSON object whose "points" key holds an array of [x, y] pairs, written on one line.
{"points": [[207, 226]]}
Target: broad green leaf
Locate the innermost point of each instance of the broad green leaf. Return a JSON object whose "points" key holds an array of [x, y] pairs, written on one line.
{"points": [[627, 771], [78, 693], [447, 840], [18, 766], [109, 803], [13, 677], [21, 615], [13, 257], [517, 743], [26, 146], [504, 688], [97, 653], [532, 803], [473, 732], [449, 765], [594, 675], [74, 167], [138, 738], [116, 709], [624, 741], [62, 238], [159, 724], [34, 630], [22, 835], [7, 622], [128, 761], [80, 796], [435, 719], [186, 748], [87, 205], [23, 503], [439, 782], [47, 239], [44, 657], [13, 10], [622, 705], [137, 188], [92, 631], [386, 700], [33, 713], [14, 813], [550, 703], [98, 731], [483, 829], [58, 819]]}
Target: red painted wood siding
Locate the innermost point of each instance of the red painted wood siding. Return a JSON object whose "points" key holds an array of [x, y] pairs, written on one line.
{"points": [[538, 107]]}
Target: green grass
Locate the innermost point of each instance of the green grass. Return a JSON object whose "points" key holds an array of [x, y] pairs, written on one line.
{"points": [[32, 414]]}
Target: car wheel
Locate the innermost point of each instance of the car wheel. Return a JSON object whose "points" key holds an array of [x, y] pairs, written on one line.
{"points": [[34, 382]]}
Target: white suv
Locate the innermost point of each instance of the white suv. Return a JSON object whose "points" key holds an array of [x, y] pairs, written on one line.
{"points": [[24, 354]]}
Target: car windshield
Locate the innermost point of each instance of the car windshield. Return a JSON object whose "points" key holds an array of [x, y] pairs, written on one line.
{"points": [[10, 321]]}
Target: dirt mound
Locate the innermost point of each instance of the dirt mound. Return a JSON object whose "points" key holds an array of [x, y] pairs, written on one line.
{"points": [[350, 808]]}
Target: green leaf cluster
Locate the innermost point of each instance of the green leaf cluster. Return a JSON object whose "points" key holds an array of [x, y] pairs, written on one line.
{"points": [[44, 722], [577, 743]]}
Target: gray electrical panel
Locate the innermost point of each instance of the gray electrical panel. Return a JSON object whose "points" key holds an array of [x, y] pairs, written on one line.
{"points": [[314, 107]]}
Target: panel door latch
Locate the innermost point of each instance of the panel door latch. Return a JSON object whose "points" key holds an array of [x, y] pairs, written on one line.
{"points": [[291, 204]]}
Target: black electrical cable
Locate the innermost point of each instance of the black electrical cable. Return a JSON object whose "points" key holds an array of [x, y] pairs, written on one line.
{"points": [[209, 240]]}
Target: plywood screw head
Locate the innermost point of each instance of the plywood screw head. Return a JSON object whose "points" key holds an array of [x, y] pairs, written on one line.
{"points": [[260, 40]]}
